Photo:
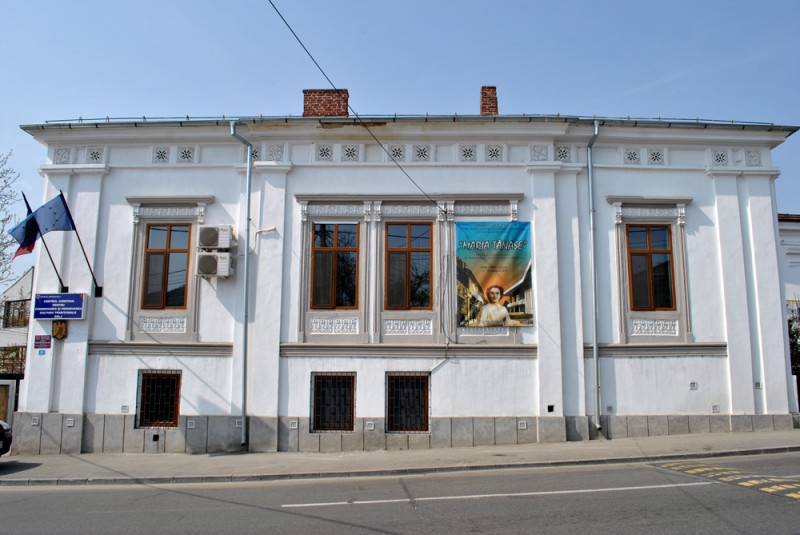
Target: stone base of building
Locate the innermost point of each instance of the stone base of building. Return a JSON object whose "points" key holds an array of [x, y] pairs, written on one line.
{"points": [[52, 433], [661, 425], [370, 434], [55, 433]]}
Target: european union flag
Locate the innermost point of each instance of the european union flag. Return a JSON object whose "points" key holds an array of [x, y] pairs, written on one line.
{"points": [[53, 215]]}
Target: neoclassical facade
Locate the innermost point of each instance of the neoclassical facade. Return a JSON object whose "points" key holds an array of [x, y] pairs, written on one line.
{"points": [[303, 283]]}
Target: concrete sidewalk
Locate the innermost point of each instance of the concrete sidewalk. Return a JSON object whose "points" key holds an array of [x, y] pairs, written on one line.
{"points": [[134, 468]]}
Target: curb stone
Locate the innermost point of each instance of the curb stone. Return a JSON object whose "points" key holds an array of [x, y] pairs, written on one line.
{"points": [[177, 480]]}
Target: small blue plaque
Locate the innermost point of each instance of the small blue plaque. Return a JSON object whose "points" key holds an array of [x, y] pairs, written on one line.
{"points": [[59, 307]]}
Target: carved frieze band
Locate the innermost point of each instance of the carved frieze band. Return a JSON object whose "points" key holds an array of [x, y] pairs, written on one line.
{"points": [[333, 326], [634, 211], [411, 210], [375, 210], [170, 212], [642, 327], [678, 213], [483, 331], [155, 325], [335, 210], [418, 326], [482, 209]]}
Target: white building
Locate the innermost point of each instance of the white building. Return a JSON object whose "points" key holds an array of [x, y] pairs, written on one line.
{"points": [[789, 229], [361, 315], [16, 306]]}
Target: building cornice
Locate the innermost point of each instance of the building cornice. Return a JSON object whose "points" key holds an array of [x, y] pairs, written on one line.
{"points": [[387, 351], [134, 349]]}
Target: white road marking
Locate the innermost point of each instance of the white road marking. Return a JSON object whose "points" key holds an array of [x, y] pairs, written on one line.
{"points": [[485, 496]]}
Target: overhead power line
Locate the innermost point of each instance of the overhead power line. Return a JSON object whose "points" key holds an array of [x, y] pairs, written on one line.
{"points": [[355, 114]]}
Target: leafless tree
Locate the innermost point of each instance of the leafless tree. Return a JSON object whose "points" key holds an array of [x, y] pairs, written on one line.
{"points": [[8, 196]]}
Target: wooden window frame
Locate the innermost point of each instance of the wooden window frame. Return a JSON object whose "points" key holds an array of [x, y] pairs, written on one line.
{"points": [[143, 419], [166, 252], [408, 250], [335, 249], [395, 427], [649, 252], [16, 313], [317, 424]]}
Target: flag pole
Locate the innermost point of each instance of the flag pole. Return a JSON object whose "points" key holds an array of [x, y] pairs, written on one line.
{"points": [[98, 290], [46, 248]]}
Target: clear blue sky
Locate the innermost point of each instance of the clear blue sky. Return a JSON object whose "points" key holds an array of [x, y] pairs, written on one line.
{"points": [[708, 59]]}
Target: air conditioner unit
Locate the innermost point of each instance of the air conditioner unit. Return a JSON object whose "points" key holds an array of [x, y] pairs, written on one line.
{"points": [[215, 237], [214, 265]]}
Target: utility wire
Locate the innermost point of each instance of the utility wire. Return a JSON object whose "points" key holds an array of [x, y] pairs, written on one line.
{"points": [[441, 209], [357, 116]]}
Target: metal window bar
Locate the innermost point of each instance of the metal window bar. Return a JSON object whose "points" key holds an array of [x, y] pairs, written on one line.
{"points": [[159, 398], [407, 402], [333, 402]]}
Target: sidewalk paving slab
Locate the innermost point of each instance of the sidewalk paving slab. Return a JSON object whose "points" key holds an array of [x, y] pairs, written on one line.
{"points": [[180, 468]]}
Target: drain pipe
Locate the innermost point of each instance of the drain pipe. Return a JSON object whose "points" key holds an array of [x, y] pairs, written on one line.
{"points": [[246, 275], [593, 269]]}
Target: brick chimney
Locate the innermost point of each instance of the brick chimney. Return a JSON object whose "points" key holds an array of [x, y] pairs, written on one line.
{"points": [[325, 102], [488, 100]]}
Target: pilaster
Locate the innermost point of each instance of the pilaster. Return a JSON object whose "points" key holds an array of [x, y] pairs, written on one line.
{"points": [[735, 298]]}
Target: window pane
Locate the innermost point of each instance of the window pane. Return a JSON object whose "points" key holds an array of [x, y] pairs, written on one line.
{"points": [[420, 280], [420, 236], [333, 403], [396, 280], [321, 291], [154, 279], [396, 236], [640, 281], [407, 403], [347, 235], [176, 280], [346, 271], [179, 237], [159, 401], [662, 281], [659, 238], [323, 235], [16, 313], [157, 237], [637, 238]]}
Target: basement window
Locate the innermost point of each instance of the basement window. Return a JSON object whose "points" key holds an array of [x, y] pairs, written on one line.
{"points": [[159, 394], [333, 402], [407, 402]]}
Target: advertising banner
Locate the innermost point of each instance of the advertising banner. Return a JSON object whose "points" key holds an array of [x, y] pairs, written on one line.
{"points": [[493, 274]]}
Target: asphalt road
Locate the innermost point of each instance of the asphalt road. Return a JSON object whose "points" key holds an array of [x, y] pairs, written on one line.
{"points": [[636, 498]]}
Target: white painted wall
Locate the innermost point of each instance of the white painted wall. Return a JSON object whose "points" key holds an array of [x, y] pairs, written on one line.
{"points": [[205, 383], [458, 386], [731, 249], [661, 385]]}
